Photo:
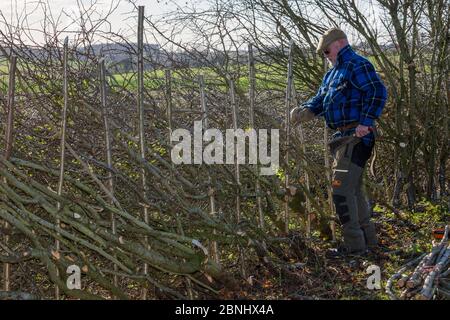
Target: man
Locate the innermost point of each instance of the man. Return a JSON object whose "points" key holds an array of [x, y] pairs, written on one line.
{"points": [[350, 98]]}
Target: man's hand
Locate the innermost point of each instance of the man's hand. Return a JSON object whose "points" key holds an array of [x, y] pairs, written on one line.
{"points": [[295, 116], [300, 114], [361, 130]]}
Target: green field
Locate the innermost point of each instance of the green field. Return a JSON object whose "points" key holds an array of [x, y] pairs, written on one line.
{"points": [[271, 77], [267, 78]]}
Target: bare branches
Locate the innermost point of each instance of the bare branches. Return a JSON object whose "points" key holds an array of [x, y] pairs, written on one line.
{"points": [[119, 207]]}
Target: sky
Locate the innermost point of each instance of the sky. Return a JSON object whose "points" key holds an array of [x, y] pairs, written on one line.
{"points": [[123, 19]]}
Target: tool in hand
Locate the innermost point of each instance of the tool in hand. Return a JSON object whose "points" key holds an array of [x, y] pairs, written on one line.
{"points": [[335, 143]]}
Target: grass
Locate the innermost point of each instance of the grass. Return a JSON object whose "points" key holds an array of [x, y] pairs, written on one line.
{"points": [[271, 77], [267, 78]]}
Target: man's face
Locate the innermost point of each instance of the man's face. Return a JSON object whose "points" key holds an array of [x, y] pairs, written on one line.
{"points": [[331, 51]]}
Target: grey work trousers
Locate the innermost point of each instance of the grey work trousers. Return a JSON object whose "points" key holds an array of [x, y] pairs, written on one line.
{"points": [[349, 198]]}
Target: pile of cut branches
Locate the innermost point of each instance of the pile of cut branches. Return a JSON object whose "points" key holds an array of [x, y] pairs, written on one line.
{"points": [[430, 277]]}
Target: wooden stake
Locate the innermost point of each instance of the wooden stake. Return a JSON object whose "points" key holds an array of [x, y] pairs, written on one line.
{"points": [[110, 180], [168, 77], [201, 81], [251, 94], [236, 167], [304, 163], [62, 146], [8, 150], [214, 251], [288, 101], [252, 83], [140, 105], [237, 170], [328, 171]]}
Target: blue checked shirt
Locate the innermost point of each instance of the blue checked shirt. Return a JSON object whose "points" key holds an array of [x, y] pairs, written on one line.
{"points": [[351, 91]]}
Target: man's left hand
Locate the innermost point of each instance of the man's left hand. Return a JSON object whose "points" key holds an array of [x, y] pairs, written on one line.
{"points": [[361, 130]]}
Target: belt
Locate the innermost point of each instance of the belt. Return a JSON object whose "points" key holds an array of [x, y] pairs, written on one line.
{"points": [[348, 126]]}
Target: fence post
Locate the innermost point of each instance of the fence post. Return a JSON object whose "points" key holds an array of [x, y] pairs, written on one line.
{"points": [[304, 163], [251, 93], [62, 148], [236, 169], [110, 179], [140, 105], [8, 150], [168, 78], [328, 170], [214, 251], [288, 101]]}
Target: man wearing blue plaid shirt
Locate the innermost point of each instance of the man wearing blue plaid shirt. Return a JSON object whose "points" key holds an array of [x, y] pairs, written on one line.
{"points": [[350, 98]]}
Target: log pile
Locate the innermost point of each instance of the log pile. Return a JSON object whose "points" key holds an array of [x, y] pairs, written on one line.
{"points": [[428, 277]]}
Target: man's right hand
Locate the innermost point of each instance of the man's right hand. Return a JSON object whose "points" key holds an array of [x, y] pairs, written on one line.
{"points": [[301, 114]]}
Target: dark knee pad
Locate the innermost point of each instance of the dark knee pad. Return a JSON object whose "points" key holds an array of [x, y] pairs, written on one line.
{"points": [[341, 208]]}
